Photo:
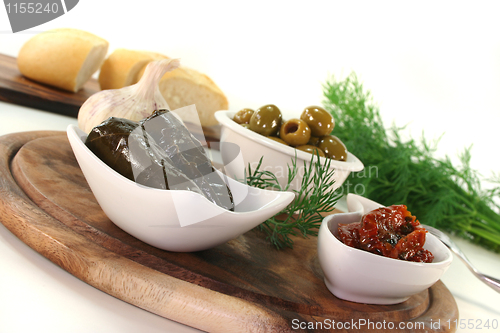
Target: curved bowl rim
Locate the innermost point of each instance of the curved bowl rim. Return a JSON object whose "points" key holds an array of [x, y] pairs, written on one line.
{"points": [[223, 117], [75, 134], [445, 262]]}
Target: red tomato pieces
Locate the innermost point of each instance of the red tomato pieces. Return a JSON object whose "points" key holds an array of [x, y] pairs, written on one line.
{"points": [[388, 231]]}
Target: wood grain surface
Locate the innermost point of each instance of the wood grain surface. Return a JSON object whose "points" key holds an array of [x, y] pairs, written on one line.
{"points": [[244, 285], [17, 89]]}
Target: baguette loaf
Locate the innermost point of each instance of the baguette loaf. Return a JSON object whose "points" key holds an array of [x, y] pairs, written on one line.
{"points": [[63, 58], [180, 87], [122, 68]]}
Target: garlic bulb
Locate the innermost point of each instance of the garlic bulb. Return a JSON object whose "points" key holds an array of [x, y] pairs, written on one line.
{"points": [[134, 102]]}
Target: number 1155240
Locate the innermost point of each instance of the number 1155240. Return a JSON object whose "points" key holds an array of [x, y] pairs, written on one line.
{"points": [[473, 324], [32, 8]]}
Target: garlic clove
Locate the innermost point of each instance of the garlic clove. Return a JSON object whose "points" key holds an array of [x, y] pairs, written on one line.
{"points": [[134, 102]]}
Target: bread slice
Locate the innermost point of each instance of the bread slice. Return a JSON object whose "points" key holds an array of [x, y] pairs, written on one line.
{"points": [[185, 86], [124, 67], [180, 87], [63, 58]]}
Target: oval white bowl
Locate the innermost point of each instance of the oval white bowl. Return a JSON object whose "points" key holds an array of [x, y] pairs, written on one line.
{"points": [[276, 157], [363, 277], [181, 221]]}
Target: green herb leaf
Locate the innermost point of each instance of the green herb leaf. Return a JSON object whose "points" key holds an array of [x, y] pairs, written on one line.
{"points": [[305, 214], [400, 171]]}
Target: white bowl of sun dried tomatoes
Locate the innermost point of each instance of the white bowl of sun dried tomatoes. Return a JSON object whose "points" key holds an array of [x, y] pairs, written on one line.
{"points": [[378, 255]]}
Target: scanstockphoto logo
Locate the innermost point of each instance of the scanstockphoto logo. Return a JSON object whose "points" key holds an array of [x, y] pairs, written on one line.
{"points": [[25, 15]]}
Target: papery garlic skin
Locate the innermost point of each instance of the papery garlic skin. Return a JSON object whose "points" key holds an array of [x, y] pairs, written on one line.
{"points": [[134, 102]]}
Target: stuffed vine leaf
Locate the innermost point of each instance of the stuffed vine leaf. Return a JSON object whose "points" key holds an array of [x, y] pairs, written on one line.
{"points": [[159, 152]]}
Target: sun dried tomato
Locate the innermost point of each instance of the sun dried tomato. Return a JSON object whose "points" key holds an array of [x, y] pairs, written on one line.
{"points": [[388, 231]]}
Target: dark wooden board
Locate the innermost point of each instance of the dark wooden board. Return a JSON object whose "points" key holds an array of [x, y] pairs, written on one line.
{"points": [[17, 89], [243, 285]]}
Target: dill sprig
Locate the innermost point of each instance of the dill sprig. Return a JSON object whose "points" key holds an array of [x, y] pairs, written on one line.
{"points": [[305, 214], [405, 171]]}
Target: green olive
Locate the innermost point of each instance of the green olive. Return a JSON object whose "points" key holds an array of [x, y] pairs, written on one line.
{"points": [[295, 132], [247, 126], [275, 138], [319, 120], [266, 120], [311, 150], [243, 116], [333, 147], [313, 141]]}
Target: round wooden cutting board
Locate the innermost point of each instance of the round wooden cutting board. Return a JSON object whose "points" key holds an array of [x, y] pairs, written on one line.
{"points": [[244, 285]]}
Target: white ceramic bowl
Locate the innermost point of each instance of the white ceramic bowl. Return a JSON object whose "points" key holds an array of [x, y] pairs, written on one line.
{"points": [[363, 277], [181, 221], [276, 157]]}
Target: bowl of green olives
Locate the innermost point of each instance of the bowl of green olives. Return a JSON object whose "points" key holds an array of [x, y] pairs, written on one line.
{"points": [[264, 136]]}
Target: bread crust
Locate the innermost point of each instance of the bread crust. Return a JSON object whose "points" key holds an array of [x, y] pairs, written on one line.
{"points": [[181, 87], [124, 67], [63, 58], [185, 86]]}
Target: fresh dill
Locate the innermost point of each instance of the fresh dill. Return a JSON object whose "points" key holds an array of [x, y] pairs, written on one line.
{"points": [[439, 193], [313, 200]]}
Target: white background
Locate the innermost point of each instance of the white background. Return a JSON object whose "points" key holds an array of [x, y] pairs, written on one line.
{"points": [[434, 65]]}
